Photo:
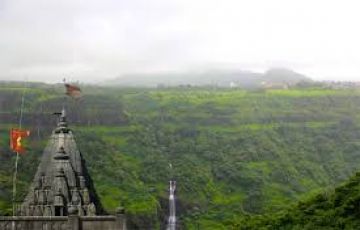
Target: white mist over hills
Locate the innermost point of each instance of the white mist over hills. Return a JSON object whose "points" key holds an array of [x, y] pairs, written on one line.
{"points": [[227, 78], [93, 40]]}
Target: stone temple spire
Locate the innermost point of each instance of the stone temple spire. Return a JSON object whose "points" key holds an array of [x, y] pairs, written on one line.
{"points": [[62, 124], [62, 181]]}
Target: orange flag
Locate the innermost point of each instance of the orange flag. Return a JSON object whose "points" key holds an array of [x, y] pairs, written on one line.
{"points": [[73, 91], [16, 136]]}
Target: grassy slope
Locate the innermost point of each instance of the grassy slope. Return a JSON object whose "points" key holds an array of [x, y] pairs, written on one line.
{"points": [[232, 151], [335, 209]]}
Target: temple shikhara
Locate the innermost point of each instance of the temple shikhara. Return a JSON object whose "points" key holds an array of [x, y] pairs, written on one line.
{"points": [[61, 181], [62, 195]]}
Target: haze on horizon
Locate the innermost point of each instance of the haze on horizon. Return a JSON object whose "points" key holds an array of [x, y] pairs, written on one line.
{"points": [[90, 40]]}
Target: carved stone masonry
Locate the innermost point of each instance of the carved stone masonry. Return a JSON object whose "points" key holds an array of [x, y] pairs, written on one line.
{"points": [[62, 182]]}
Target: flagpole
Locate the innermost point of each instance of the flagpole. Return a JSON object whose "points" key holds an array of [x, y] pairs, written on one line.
{"points": [[17, 156], [64, 96], [14, 183]]}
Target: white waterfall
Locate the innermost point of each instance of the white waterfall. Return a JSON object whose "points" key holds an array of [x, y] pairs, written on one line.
{"points": [[172, 206]]}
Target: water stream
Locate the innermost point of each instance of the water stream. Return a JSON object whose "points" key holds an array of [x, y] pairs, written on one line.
{"points": [[172, 206]]}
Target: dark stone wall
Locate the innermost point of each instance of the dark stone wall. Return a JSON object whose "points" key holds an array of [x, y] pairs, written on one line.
{"points": [[117, 222]]}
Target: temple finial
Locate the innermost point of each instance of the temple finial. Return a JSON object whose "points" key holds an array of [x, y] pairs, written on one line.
{"points": [[63, 112], [62, 124], [62, 120]]}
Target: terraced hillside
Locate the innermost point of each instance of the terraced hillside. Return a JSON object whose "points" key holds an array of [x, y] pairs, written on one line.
{"points": [[234, 153]]}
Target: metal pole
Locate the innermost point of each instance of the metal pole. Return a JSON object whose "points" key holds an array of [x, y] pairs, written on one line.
{"points": [[14, 183], [17, 157]]}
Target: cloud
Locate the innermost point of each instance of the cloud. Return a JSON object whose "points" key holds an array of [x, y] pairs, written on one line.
{"points": [[91, 40]]}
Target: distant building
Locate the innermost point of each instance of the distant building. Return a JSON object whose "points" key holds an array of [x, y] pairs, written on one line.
{"points": [[233, 85], [341, 84], [274, 85]]}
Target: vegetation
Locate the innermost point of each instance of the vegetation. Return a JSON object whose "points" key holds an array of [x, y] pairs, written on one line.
{"points": [[336, 209], [234, 153]]}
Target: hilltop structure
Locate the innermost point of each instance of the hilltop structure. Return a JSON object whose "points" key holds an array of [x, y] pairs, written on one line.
{"points": [[62, 196], [61, 181]]}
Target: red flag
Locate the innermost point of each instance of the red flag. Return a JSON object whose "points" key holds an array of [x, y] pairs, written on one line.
{"points": [[72, 90], [16, 136]]}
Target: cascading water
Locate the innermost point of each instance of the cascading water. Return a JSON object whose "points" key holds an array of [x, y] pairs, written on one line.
{"points": [[172, 207]]}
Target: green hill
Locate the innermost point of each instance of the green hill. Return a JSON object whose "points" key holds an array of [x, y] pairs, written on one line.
{"points": [[222, 78], [234, 152], [336, 209]]}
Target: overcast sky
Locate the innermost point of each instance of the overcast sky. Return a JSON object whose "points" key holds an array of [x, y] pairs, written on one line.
{"points": [[90, 40]]}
